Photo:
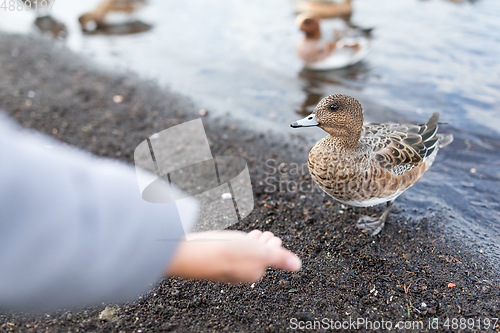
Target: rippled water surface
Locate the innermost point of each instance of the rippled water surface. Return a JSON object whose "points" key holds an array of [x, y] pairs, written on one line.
{"points": [[238, 58]]}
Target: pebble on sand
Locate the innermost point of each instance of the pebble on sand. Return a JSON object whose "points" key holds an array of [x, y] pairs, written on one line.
{"points": [[108, 314], [284, 284], [118, 98]]}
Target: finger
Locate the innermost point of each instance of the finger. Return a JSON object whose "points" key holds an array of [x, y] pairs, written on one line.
{"points": [[254, 234], [266, 236], [284, 259], [275, 242]]}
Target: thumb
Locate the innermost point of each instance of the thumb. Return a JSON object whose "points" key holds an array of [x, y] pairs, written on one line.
{"points": [[281, 258]]}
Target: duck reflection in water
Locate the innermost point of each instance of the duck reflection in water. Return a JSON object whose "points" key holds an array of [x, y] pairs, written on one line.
{"points": [[318, 84]]}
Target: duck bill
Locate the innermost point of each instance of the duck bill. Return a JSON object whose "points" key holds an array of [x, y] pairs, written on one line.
{"points": [[306, 122]]}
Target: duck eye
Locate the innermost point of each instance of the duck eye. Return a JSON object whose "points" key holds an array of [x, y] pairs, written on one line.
{"points": [[333, 107]]}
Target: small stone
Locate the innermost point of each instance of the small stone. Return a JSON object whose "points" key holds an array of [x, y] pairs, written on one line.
{"points": [[69, 316], [423, 305], [412, 268], [202, 112], [108, 314], [118, 98], [303, 316], [473, 170], [169, 326], [226, 196], [284, 284], [31, 94], [451, 285]]}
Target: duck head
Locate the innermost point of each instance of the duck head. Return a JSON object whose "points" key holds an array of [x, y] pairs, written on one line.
{"points": [[88, 22], [339, 115], [310, 25]]}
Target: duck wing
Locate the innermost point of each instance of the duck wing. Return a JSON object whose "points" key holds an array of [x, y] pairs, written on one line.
{"points": [[399, 148]]}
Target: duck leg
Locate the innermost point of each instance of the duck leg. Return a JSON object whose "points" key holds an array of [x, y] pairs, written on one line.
{"points": [[374, 225]]}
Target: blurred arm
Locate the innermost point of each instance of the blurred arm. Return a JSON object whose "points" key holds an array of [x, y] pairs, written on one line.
{"points": [[74, 228]]}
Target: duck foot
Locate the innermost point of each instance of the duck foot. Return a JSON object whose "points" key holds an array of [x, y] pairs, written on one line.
{"points": [[372, 224]]}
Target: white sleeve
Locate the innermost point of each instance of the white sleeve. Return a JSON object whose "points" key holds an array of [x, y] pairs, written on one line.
{"points": [[74, 229]]}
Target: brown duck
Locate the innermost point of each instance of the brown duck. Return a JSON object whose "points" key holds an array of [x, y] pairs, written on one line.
{"points": [[368, 165], [99, 14], [324, 8], [345, 49]]}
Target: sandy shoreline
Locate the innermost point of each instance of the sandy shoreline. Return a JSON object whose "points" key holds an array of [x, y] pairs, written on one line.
{"points": [[346, 274]]}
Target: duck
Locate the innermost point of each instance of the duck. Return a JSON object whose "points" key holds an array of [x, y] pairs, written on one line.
{"points": [[96, 19], [325, 8], [47, 24], [344, 49], [367, 165]]}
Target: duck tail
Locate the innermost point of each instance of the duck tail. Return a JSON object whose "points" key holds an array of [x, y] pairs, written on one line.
{"points": [[429, 129], [442, 139]]}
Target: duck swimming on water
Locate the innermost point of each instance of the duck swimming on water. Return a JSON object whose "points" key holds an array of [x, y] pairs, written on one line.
{"points": [[324, 8], [322, 52], [368, 165], [96, 19]]}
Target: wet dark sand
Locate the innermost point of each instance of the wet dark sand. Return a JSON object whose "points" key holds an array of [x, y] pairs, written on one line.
{"points": [[346, 273]]}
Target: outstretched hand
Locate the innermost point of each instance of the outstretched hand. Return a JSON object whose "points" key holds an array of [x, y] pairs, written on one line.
{"points": [[230, 256]]}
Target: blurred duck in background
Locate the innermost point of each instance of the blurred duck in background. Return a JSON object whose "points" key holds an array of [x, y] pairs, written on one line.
{"points": [[48, 25], [324, 8], [341, 48], [45, 23], [99, 21]]}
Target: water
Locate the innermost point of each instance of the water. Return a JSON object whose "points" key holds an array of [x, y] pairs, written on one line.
{"points": [[238, 58]]}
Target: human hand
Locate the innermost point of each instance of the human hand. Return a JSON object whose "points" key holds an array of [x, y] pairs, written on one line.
{"points": [[230, 256]]}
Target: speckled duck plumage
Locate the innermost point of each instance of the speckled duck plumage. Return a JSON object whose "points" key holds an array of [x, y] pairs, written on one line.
{"points": [[368, 165]]}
